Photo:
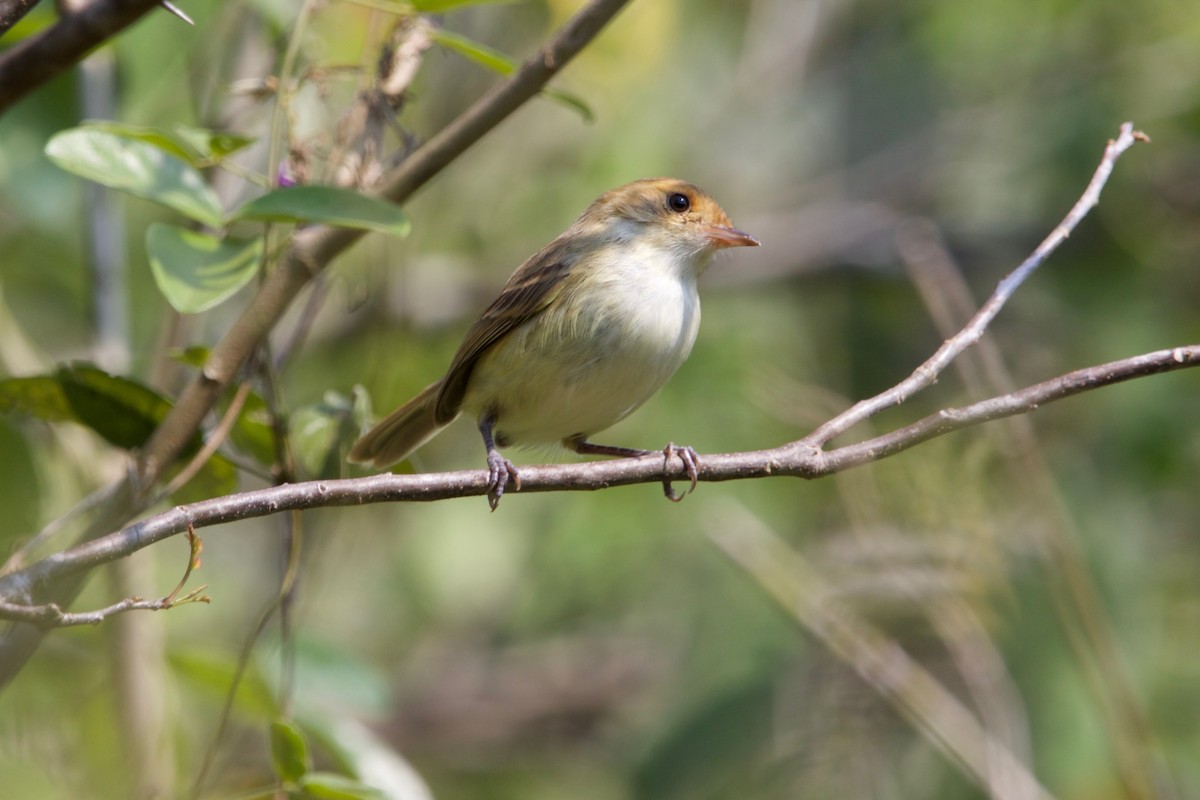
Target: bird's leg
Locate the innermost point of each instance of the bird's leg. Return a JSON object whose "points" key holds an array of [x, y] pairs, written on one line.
{"points": [[500, 469], [691, 461]]}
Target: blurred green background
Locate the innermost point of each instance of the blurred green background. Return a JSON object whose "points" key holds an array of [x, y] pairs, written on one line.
{"points": [[599, 645]]}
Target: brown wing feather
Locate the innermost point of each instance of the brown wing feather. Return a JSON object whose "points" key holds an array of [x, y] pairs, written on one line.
{"points": [[528, 292]]}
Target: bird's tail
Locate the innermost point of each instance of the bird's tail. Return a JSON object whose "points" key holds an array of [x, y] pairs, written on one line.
{"points": [[400, 433]]}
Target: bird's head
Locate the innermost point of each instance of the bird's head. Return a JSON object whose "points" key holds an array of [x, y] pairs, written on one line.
{"points": [[667, 212]]}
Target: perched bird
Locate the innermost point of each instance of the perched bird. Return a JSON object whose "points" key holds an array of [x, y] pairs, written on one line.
{"points": [[582, 334]]}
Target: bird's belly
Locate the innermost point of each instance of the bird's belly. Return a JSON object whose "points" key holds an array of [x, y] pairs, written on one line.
{"points": [[579, 369]]}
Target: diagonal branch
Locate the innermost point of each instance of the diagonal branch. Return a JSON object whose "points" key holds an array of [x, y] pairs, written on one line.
{"points": [[797, 459], [32, 62], [12, 11]]}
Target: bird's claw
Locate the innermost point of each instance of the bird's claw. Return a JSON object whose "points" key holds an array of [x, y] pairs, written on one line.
{"points": [[691, 464], [500, 470]]}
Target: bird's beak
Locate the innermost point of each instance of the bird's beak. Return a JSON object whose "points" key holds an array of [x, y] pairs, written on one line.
{"points": [[723, 236]]}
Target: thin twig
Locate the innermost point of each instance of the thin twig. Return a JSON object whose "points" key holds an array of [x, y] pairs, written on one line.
{"points": [[213, 443], [50, 615], [275, 604], [803, 458], [235, 682], [177, 11], [927, 373]]}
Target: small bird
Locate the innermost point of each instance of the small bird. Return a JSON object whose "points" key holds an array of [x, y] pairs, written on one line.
{"points": [[583, 333]]}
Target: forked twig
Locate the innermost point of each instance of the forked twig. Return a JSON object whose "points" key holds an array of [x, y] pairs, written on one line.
{"points": [[50, 615], [927, 373]]}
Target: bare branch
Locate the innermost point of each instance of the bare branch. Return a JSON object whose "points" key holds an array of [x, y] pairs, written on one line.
{"points": [[1008, 405], [797, 459], [51, 616]]}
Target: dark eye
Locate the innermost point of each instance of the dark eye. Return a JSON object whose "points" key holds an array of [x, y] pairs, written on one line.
{"points": [[678, 203]]}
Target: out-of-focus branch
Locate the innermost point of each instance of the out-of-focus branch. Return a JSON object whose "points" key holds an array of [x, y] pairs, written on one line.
{"points": [[1076, 597], [11, 12], [39, 58], [880, 661], [796, 459]]}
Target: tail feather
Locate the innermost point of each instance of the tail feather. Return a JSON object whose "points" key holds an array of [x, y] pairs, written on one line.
{"points": [[400, 433]]}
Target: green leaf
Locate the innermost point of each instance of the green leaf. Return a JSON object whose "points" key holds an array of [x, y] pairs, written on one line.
{"points": [[329, 205], [210, 145], [253, 433], [329, 786], [38, 19], [474, 51], [319, 432], [195, 355], [152, 136], [122, 411], [289, 751], [354, 749], [195, 271], [211, 672], [22, 486], [137, 167], [498, 62], [40, 396], [197, 146]]}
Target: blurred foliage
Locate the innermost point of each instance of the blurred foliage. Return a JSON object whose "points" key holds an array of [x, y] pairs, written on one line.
{"points": [[598, 645]]}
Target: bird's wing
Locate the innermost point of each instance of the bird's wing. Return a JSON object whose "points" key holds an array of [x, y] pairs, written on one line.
{"points": [[529, 291]]}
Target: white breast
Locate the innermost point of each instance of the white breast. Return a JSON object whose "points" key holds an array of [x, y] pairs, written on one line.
{"points": [[602, 351]]}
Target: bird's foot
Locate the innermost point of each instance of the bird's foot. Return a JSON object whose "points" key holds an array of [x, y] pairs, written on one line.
{"points": [[500, 470], [691, 464]]}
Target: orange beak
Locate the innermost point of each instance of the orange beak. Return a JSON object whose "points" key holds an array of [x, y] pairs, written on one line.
{"points": [[722, 236]]}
